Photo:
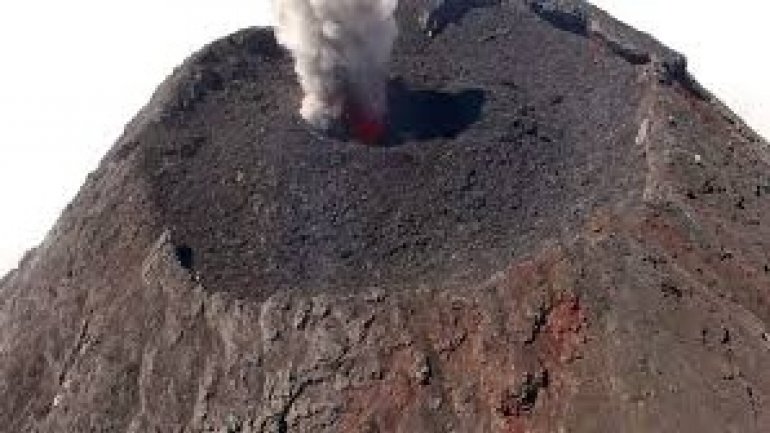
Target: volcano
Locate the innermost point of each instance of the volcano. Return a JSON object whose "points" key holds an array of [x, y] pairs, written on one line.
{"points": [[563, 232]]}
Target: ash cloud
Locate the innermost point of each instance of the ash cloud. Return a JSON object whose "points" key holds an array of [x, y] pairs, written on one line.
{"points": [[341, 50]]}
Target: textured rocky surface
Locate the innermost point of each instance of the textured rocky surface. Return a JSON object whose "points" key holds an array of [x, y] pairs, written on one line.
{"points": [[565, 234]]}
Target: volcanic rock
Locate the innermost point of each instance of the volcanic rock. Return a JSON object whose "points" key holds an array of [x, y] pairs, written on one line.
{"points": [[564, 233]]}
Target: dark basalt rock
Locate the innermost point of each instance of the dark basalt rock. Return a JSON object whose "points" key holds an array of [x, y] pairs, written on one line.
{"points": [[568, 15], [438, 14]]}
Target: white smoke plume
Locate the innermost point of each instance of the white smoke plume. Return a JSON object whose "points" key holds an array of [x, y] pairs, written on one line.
{"points": [[341, 50]]}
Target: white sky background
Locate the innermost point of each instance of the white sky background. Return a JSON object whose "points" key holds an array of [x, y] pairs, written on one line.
{"points": [[73, 73]]}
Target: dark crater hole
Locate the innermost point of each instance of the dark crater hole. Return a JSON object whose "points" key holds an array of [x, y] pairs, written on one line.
{"points": [[423, 115]]}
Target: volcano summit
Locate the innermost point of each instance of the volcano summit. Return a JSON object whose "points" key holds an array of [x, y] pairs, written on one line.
{"points": [[564, 232]]}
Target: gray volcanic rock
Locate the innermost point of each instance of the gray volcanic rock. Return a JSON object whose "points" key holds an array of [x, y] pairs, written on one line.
{"points": [[564, 233]]}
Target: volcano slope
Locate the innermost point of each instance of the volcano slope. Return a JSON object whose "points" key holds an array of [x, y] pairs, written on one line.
{"points": [[565, 233]]}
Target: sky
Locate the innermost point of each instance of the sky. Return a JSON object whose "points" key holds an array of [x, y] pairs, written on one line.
{"points": [[75, 72]]}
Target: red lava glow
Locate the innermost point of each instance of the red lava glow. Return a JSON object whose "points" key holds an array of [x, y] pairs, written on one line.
{"points": [[369, 131], [366, 128]]}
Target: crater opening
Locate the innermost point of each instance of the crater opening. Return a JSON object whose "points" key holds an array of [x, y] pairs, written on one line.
{"points": [[413, 115], [421, 115]]}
